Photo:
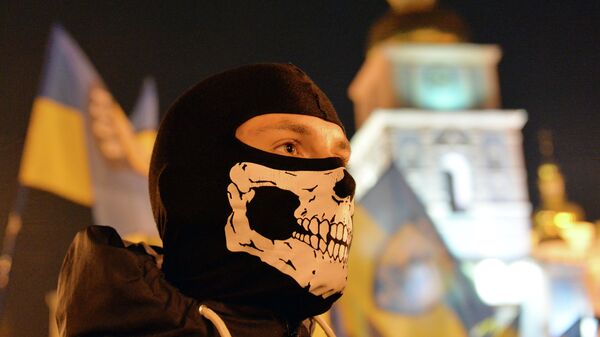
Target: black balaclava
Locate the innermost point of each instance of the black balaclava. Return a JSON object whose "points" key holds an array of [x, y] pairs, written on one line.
{"points": [[240, 225]]}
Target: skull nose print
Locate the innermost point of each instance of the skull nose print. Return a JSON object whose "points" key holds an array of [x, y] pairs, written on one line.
{"points": [[271, 212], [345, 187]]}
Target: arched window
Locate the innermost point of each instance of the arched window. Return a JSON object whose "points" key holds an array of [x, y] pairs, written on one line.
{"points": [[459, 178]]}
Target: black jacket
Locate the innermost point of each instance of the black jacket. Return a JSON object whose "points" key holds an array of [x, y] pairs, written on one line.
{"points": [[108, 288]]}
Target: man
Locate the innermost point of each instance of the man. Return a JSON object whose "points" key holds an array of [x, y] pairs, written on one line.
{"points": [[254, 206]]}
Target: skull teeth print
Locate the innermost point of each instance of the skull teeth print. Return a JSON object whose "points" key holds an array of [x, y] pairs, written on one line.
{"points": [[331, 239]]}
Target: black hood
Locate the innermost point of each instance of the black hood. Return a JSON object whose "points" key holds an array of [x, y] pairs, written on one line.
{"points": [[189, 173]]}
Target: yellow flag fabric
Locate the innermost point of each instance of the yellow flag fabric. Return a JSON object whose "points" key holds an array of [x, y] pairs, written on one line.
{"points": [[146, 139], [357, 312], [55, 155]]}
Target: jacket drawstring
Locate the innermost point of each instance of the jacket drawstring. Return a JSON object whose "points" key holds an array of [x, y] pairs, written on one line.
{"points": [[328, 331], [224, 332], [215, 319]]}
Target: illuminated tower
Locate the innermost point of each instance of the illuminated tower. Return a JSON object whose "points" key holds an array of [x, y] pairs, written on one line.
{"points": [[427, 108], [430, 105], [466, 167]]}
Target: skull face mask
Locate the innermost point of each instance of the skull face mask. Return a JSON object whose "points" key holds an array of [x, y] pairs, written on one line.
{"points": [[240, 225], [312, 247]]}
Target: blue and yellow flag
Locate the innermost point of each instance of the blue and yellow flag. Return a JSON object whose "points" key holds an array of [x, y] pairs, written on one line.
{"points": [[144, 116], [121, 193], [62, 154], [55, 154], [403, 281]]}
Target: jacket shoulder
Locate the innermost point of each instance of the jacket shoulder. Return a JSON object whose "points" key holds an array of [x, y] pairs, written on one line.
{"points": [[108, 289]]}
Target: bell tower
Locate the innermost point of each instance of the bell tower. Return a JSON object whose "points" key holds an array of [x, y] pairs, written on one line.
{"points": [[428, 101]]}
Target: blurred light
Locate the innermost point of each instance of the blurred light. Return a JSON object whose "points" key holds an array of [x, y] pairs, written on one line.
{"points": [[564, 219], [548, 171], [498, 283], [579, 236], [588, 327]]}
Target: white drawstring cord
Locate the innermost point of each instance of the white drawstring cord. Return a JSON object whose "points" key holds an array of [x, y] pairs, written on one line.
{"points": [[224, 332], [215, 319], [328, 331]]}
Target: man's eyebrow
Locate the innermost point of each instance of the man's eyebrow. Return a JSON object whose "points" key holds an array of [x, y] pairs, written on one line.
{"points": [[286, 125]]}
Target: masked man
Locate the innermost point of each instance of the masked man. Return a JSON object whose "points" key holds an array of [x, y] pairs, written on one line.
{"points": [[253, 205]]}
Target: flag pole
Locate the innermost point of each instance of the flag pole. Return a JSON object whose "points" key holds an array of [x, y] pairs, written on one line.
{"points": [[11, 232]]}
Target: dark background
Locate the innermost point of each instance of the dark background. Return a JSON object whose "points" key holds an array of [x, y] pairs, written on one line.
{"points": [[550, 67]]}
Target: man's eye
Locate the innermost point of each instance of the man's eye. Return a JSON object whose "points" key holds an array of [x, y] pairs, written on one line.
{"points": [[289, 148]]}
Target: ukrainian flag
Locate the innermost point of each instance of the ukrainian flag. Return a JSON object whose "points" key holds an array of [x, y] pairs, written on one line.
{"points": [[121, 194], [55, 153], [145, 115], [60, 154], [403, 281]]}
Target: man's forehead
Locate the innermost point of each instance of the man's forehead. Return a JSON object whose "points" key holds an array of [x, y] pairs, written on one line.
{"points": [[294, 122], [285, 123]]}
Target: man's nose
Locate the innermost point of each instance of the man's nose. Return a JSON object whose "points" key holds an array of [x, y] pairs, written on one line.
{"points": [[345, 187]]}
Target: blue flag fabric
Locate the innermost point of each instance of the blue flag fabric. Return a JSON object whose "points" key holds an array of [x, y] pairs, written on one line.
{"points": [[145, 112], [68, 73]]}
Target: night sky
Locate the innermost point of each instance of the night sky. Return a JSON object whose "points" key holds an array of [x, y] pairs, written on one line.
{"points": [[550, 67]]}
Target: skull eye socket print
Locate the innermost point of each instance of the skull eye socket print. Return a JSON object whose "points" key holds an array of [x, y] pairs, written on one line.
{"points": [[271, 211], [310, 238]]}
